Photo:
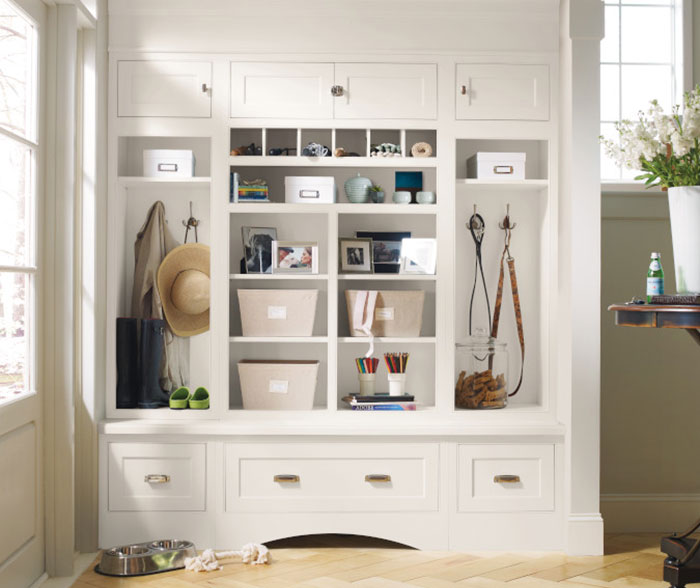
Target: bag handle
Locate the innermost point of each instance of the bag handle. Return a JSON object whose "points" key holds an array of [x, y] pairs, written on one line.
{"points": [[363, 315]]}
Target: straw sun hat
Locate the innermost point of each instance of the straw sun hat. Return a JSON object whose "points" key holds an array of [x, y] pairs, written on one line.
{"points": [[183, 283]]}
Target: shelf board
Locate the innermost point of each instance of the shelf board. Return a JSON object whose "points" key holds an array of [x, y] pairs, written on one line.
{"points": [[294, 161], [365, 340], [340, 207], [278, 276], [278, 339], [500, 185], [134, 181], [389, 277]]}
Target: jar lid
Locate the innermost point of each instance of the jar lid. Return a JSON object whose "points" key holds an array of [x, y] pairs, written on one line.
{"points": [[481, 341]]}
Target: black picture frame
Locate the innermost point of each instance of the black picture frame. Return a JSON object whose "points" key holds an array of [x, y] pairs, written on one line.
{"points": [[389, 241]]}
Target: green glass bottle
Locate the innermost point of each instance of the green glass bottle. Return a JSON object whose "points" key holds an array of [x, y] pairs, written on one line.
{"points": [[655, 277]]}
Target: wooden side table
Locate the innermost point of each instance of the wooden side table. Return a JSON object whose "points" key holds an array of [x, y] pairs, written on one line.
{"points": [[682, 566]]}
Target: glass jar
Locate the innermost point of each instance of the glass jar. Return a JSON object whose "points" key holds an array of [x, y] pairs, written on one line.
{"points": [[482, 373]]}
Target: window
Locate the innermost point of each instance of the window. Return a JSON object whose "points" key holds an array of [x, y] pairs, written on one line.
{"points": [[641, 59], [18, 151]]}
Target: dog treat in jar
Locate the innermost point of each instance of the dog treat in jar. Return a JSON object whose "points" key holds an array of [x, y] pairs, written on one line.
{"points": [[482, 373]]}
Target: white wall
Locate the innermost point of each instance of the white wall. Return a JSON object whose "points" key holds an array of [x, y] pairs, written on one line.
{"points": [[649, 376]]}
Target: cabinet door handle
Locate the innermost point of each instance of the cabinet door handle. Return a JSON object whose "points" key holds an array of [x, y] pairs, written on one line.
{"points": [[157, 479], [205, 88], [464, 90], [506, 479], [377, 478], [337, 91], [286, 478]]}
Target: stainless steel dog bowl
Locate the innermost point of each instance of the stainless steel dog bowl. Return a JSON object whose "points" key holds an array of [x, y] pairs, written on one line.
{"points": [[141, 559]]}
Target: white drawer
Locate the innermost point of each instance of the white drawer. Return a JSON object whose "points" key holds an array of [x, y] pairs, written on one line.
{"points": [[156, 476], [505, 478], [331, 477], [497, 91]]}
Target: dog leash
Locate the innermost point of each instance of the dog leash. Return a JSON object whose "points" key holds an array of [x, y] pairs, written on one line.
{"points": [[508, 258], [477, 228]]}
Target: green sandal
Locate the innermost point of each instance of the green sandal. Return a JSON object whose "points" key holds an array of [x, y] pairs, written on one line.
{"points": [[180, 398], [200, 399]]}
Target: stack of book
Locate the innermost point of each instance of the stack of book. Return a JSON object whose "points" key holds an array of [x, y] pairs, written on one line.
{"points": [[380, 402], [242, 192]]}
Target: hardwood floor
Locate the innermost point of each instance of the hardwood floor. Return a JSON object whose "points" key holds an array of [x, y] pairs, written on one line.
{"points": [[333, 561]]}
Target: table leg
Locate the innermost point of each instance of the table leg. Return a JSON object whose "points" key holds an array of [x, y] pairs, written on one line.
{"points": [[695, 334]]}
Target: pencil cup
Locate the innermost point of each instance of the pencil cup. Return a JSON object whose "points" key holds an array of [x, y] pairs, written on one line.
{"points": [[397, 384], [367, 384]]}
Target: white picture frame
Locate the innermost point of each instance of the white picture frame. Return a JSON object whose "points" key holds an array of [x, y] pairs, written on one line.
{"points": [[418, 256], [294, 257]]}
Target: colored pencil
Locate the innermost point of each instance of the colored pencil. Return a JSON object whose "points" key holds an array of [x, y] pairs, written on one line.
{"points": [[367, 365], [396, 363]]}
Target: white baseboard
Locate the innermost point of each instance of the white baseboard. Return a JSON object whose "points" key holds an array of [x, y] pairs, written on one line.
{"points": [[40, 580], [584, 534], [649, 513]]}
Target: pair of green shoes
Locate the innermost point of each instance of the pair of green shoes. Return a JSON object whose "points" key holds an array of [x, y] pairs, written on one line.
{"points": [[182, 398]]}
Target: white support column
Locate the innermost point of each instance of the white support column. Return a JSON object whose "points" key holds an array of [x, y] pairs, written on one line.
{"points": [[59, 380], [579, 222]]}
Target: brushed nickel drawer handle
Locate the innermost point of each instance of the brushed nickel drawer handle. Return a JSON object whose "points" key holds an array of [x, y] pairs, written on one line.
{"points": [[377, 478], [506, 479], [157, 479], [286, 478]]}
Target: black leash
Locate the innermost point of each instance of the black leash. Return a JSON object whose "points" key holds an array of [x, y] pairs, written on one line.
{"points": [[477, 228]]}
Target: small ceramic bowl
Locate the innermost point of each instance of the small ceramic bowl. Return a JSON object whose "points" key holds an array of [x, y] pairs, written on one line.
{"points": [[402, 197], [425, 197]]}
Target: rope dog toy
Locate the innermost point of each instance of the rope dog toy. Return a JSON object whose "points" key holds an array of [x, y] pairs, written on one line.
{"points": [[252, 553]]}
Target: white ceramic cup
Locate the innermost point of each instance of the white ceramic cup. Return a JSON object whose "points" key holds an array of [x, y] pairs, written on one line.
{"points": [[397, 384], [367, 382]]}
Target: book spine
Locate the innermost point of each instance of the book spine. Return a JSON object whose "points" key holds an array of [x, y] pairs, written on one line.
{"points": [[383, 407]]}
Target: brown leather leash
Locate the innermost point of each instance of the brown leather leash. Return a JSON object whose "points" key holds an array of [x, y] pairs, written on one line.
{"points": [[506, 256]]}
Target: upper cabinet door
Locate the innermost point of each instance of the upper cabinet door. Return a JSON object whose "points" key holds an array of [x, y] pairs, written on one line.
{"points": [[164, 88], [281, 90], [385, 90], [502, 92]]}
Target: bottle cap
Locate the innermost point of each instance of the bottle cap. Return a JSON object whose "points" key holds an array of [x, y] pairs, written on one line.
{"points": [[655, 254]]}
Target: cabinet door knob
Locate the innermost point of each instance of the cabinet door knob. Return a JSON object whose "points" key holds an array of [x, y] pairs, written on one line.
{"points": [[337, 91], [377, 478], [157, 479], [464, 90], [506, 479], [205, 88], [286, 478]]}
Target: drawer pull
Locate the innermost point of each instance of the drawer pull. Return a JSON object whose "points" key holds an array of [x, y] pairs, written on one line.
{"points": [[157, 479], [503, 169], [286, 478], [377, 478], [506, 479]]}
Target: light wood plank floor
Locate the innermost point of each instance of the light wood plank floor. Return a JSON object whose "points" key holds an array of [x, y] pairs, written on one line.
{"points": [[335, 561]]}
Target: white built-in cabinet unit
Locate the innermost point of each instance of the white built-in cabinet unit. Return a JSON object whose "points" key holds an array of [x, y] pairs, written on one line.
{"points": [[437, 478]]}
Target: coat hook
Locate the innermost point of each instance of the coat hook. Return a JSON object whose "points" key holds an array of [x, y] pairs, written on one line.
{"points": [[506, 224], [191, 223]]}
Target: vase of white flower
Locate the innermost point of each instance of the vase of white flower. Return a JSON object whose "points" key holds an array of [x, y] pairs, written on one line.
{"points": [[666, 149]]}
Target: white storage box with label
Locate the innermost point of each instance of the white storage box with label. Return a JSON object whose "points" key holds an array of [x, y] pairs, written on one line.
{"points": [[496, 166], [388, 313], [168, 163], [278, 385], [310, 189], [277, 313]]}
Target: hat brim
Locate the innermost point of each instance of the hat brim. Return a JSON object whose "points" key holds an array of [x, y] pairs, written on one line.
{"points": [[189, 256]]}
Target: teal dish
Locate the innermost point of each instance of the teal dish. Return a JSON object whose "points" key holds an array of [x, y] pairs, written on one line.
{"points": [[357, 189], [402, 197]]}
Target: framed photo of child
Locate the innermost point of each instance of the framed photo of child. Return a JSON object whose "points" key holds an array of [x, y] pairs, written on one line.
{"points": [[294, 257]]}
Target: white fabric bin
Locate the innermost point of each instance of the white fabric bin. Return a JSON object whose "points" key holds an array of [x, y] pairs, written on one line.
{"points": [[277, 313], [278, 385], [168, 163], [310, 189], [393, 313], [496, 166]]}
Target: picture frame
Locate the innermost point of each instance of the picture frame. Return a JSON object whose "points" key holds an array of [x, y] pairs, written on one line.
{"points": [[257, 249], [386, 249], [419, 256], [355, 255], [295, 257]]}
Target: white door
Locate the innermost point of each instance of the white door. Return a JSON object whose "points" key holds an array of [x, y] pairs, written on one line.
{"points": [[281, 90], [386, 90], [497, 91], [21, 495], [164, 88]]}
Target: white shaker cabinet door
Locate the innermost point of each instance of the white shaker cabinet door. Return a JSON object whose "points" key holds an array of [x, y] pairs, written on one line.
{"points": [[281, 90], [386, 90], [499, 91], [164, 88]]}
